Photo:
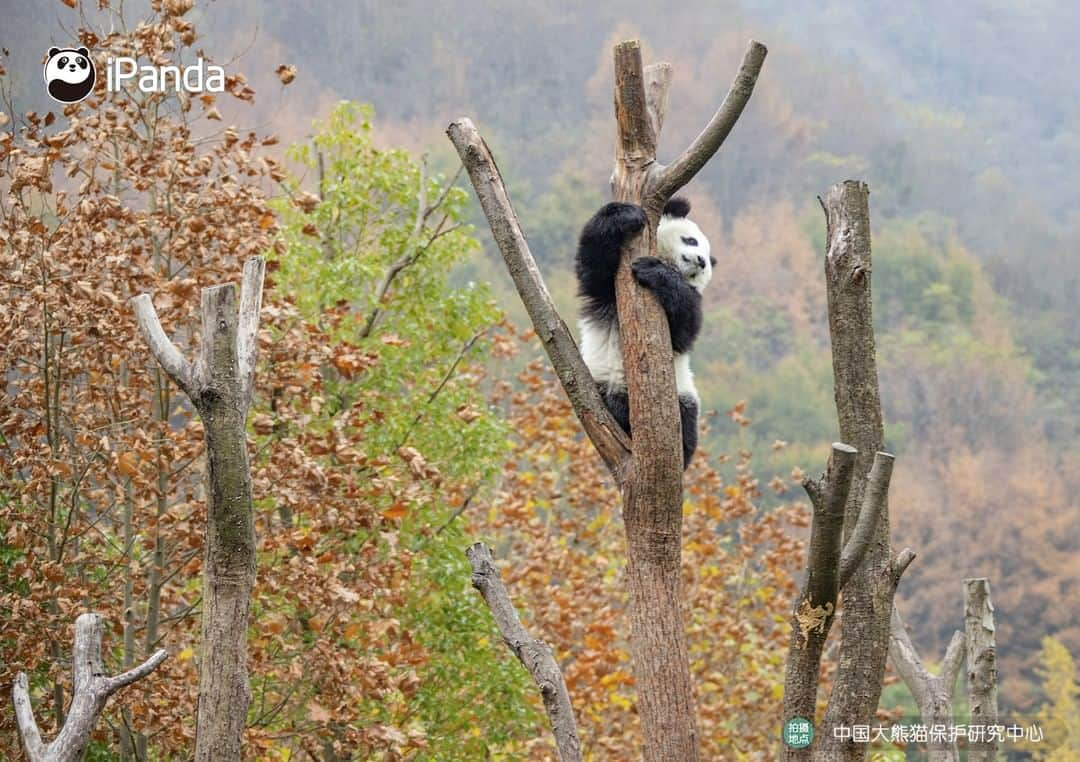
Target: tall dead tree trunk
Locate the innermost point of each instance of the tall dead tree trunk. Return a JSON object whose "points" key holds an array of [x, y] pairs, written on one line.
{"points": [[219, 385], [648, 470], [869, 592], [981, 665], [90, 691]]}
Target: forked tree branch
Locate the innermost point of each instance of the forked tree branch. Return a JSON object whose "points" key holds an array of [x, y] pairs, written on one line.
{"points": [[534, 654], [91, 689], [933, 693], [192, 378], [667, 180], [606, 434], [874, 500], [163, 350]]}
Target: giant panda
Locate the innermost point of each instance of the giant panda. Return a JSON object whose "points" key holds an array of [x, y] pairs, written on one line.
{"points": [[69, 74], [677, 275]]}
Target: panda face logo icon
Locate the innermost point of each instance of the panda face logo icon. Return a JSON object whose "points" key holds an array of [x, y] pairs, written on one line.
{"points": [[69, 74]]}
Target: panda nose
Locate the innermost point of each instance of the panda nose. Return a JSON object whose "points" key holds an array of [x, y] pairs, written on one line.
{"points": [[701, 262]]}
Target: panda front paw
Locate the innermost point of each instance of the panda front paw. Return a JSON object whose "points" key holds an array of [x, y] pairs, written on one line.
{"points": [[650, 272], [623, 218]]}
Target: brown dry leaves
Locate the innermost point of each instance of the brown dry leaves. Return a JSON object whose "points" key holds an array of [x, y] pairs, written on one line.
{"points": [[558, 514]]}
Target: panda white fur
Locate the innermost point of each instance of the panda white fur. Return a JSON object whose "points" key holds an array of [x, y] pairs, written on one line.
{"points": [[677, 276], [69, 74]]}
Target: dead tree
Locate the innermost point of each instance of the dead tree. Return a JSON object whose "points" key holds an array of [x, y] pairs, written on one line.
{"points": [[866, 572], [535, 655], [90, 691], [829, 566], [648, 470], [933, 693], [981, 664], [219, 385]]}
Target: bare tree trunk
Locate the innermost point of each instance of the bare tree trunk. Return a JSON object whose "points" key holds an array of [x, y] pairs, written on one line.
{"points": [[933, 693], [649, 471], [90, 691], [981, 664], [869, 593], [219, 386]]}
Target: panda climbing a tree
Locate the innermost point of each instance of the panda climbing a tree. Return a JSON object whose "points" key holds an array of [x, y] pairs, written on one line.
{"points": [[677, 276]]}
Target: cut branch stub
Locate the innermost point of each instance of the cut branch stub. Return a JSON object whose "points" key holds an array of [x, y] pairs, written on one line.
{"points": [[815, 606], [534, 654], [91, 689], [875, 496]]}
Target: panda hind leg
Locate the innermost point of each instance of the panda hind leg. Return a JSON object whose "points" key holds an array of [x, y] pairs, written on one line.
{"points": [[688, 415], [618, 404]]}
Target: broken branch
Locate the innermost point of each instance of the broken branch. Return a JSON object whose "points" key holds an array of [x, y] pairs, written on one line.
{"points": [[534, 654]]}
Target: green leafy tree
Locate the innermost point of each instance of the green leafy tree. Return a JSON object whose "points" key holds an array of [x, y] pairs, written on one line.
{"points": [[368, 258]]}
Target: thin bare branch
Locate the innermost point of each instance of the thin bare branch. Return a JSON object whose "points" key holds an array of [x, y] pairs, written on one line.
{"points": [[247, 334], [610, 440], [534, 654], [134, 674], [163, 350], [677, 174], [24, 716], [874, 499]]}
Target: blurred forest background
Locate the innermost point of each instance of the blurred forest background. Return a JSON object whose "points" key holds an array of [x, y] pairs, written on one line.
{"points": [[963, 119]]}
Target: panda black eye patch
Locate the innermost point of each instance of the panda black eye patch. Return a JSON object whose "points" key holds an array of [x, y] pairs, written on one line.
{"points": [[81, 62], [62, 62], [689, 240]]}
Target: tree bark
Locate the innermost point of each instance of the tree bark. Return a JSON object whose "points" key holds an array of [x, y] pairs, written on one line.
{"points": [[535, 655], [648, 470], [219, 386], [981, 663], [90, 691], [869, 592], [828, 569]]}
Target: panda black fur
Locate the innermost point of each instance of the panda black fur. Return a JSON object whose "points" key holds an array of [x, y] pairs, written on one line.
{"points": [[677, 276], [69, 74]]}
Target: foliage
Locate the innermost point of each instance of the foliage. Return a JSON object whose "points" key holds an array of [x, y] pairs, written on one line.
{"points": [[122, 193], [554, 520], [1059, 716], [365, 437], [391, 421]]}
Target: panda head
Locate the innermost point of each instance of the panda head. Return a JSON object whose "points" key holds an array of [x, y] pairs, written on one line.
{"points": [[680, 241], [69, 74]]}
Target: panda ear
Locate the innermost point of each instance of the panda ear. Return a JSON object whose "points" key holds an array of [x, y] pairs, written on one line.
{"points": [[712, 260], [83, 51], [53, 52]]}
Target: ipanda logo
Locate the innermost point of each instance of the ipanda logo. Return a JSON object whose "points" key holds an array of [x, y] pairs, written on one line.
{"points": [[70, 75]]}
